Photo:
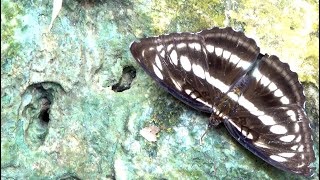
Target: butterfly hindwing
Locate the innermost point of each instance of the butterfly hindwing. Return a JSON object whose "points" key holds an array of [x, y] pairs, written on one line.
{"points": [[285, 145], [270, 119]]}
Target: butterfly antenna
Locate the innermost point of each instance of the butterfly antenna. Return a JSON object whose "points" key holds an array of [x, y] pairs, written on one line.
{"points": [[202, 136]]}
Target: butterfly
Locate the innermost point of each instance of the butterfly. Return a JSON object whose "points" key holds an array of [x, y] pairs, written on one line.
{"points": [[256, 96]]}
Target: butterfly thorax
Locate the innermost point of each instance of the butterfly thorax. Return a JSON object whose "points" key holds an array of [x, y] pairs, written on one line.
{"points": [[214, 120], [224, 109]]}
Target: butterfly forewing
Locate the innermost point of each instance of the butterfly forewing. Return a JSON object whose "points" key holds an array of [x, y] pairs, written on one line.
{"points": [[169, 62], [220, 71]]}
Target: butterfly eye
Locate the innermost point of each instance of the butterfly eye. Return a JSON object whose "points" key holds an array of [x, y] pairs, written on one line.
{"points": [[257, 97]]}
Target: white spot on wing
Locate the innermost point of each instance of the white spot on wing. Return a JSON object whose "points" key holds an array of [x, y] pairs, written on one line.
{"points": [[243, 64], [218, 51], [298, 138], [295, 147], [278, 93], [158, 62], [159, 48], [272, 86], [257, 112], [216, 83], [284, 100], [188, 91], [143, 51], [198, 71], [243, 102], [278, 158], [261, 144], [210, 48], [203, 102], [234, 59], [300, 149], [267, 120], [226, 54], [195, 46], [185, 62], [265, 81], [287, 138], [256, 74], [296, 127], [278, 129], [288, 155], [174, 57], [246, 134], [162, 54], [249, 136], [169, 47], [290, 113], [239, 129], [157, 72], [181, 45]]}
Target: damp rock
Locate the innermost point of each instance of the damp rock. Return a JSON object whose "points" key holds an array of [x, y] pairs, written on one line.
{"points": [[35, 111], [61, 117]]}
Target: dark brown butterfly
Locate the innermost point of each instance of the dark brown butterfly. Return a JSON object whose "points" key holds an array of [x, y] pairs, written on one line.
{"points": [[257, 97]]}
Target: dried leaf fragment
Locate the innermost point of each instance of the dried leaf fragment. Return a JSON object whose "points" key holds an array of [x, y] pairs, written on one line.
{"points": [[150, 133]]}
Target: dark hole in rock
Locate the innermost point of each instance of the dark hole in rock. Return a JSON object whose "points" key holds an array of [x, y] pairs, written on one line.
{"points": [[44, 116], [37, 113], [128, 74], [44, 112]]}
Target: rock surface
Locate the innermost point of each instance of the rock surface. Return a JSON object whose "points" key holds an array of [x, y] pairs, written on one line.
{"points": [[73, 100]]}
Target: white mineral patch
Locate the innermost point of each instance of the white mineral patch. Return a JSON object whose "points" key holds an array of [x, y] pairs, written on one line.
{"points": [[131, 122], [182, 134], [120, 169]]}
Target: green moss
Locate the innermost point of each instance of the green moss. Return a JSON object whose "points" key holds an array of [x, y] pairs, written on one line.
{"points": [[8, 153], [189, 15], [195, 174], [9, 22], [151, 148], [166, 110], [311, 61], [284, 28]]}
